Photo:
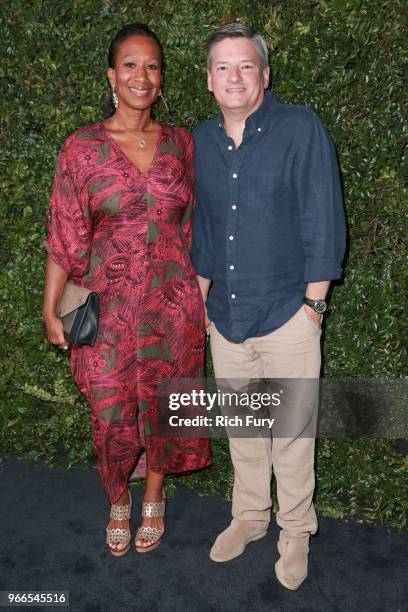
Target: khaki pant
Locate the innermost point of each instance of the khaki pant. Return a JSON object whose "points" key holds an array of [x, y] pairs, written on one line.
{"points": [[292, 351]]}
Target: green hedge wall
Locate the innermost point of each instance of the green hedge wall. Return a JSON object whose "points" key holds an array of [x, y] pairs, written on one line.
{"points": [[344, 59]]}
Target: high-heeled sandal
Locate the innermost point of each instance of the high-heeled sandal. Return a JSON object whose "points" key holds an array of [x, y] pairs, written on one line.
{"points": [[151, 534], [118, 536]]}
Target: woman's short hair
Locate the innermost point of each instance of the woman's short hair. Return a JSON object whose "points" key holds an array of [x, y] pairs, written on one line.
{"points": [[132, 29], [238, 30]]}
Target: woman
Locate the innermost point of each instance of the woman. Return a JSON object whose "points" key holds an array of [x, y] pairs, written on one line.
{"points": [[119, 224]]}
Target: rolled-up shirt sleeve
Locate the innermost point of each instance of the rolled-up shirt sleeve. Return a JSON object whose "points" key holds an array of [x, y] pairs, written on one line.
{"points": [[69, 236], [323, 229]]}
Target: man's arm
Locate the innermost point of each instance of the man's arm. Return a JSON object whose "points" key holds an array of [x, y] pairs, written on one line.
{"points": [[202, 252], [323, 228], [205, 284]]}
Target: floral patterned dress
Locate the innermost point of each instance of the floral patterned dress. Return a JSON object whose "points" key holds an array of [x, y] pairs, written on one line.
{"points": [[126, 235]]}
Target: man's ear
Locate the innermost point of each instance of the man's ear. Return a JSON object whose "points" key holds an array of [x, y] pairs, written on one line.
{"points": [[209, 81], [111, 77], [266, 73]]}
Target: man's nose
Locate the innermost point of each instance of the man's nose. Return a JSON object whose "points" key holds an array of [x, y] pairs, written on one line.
{"points": [[234, 74]]}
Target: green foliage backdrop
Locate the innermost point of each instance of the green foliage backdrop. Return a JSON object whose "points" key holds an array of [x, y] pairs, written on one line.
{"points": [[347, 61]]}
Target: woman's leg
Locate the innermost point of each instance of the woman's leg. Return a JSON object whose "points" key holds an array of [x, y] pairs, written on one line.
{"points": [[153, 493]]}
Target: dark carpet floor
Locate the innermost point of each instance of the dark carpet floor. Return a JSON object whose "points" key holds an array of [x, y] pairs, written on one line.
{"points": [[52, 538]]}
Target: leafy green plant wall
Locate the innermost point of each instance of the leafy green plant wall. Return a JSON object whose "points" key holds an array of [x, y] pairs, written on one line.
{"points": [[346, 60]]}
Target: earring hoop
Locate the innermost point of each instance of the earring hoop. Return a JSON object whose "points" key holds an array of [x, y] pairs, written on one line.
{"points": [[115, 98], [163, 99]]}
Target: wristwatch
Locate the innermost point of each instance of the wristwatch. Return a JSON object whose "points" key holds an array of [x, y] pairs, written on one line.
{"points": [[319, 306]]}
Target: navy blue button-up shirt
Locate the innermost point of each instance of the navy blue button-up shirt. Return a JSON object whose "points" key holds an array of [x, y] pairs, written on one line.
{"points": [[269, 216]]}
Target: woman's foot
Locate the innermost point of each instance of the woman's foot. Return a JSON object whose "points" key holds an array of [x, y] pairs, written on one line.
{"points": [[152, 527], [118, 535]]}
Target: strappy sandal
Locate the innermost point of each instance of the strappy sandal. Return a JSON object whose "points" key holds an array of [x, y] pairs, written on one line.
{"points": [[119, 537], [151, 534]]}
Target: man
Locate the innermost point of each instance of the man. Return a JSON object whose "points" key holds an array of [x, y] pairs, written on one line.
{"points": [[269, 234]]}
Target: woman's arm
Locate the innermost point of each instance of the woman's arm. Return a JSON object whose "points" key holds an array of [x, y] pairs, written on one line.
{"points": [[55, 279], [69, 239]]}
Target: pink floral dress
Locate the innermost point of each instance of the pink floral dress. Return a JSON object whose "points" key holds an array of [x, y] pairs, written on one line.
{"points": [[126, 235]]}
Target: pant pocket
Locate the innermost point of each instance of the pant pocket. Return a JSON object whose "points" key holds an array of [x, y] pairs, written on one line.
{"points": [[310, 322]]}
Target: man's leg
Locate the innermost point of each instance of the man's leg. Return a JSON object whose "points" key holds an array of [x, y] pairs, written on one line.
{"points": [[237, 363], [293, 351]]}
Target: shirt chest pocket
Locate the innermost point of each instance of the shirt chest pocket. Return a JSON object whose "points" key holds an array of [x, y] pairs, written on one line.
{"points": [[267, 189]]}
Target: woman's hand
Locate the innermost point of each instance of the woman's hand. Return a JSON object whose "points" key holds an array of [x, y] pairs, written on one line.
{"points": [[55, 331], [55, 279]]}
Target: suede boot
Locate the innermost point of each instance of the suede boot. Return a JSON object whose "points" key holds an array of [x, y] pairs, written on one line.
{"points": [[291, 567], [232, 542]]}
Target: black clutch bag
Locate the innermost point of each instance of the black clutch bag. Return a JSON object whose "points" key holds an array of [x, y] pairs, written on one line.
{"points": [[79, 312]]}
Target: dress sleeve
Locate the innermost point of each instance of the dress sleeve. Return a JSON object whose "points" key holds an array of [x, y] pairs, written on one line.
{"points": [[69, 221], [187, 219]]}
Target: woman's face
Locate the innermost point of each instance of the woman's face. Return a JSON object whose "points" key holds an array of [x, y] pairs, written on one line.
{"points": [[137, 73]]}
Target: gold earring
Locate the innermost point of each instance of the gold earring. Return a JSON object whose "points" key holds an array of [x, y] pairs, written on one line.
{"points": [[164, 101], [115, 98]]}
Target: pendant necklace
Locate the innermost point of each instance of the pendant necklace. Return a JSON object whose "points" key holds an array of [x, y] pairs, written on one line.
{"points": [[142, 142]]}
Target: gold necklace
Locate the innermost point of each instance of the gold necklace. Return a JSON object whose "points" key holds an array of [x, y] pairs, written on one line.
{"points": [[142, 142]]}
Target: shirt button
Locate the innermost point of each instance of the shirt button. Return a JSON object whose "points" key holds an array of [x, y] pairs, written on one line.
{"points": [[232, 267], [234, 175], [234, 207], [231, 237], [229, 147], [259, 129], [233, 296]]}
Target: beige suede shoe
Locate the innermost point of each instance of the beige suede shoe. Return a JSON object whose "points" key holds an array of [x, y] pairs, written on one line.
{"points": [[232, 542], [291, 567]]}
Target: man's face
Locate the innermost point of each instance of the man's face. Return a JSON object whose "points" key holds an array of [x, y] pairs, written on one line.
{"points": [[235, 76]]}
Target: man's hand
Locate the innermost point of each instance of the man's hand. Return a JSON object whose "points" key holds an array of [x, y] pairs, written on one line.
{"points": [[204, 284], [312, 315], [316, 291], [207, 322]]}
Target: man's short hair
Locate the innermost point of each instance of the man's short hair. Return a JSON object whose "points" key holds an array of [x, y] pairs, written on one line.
{"points": [[238, 30]]}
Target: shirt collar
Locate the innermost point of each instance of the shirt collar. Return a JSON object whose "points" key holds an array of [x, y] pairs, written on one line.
{"points": [[255, 123]]}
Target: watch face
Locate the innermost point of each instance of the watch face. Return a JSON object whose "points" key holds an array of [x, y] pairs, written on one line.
{"points": [[320, 306]]}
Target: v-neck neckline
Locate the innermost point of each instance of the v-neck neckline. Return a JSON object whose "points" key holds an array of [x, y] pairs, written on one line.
{"points": [[128, 161]]}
